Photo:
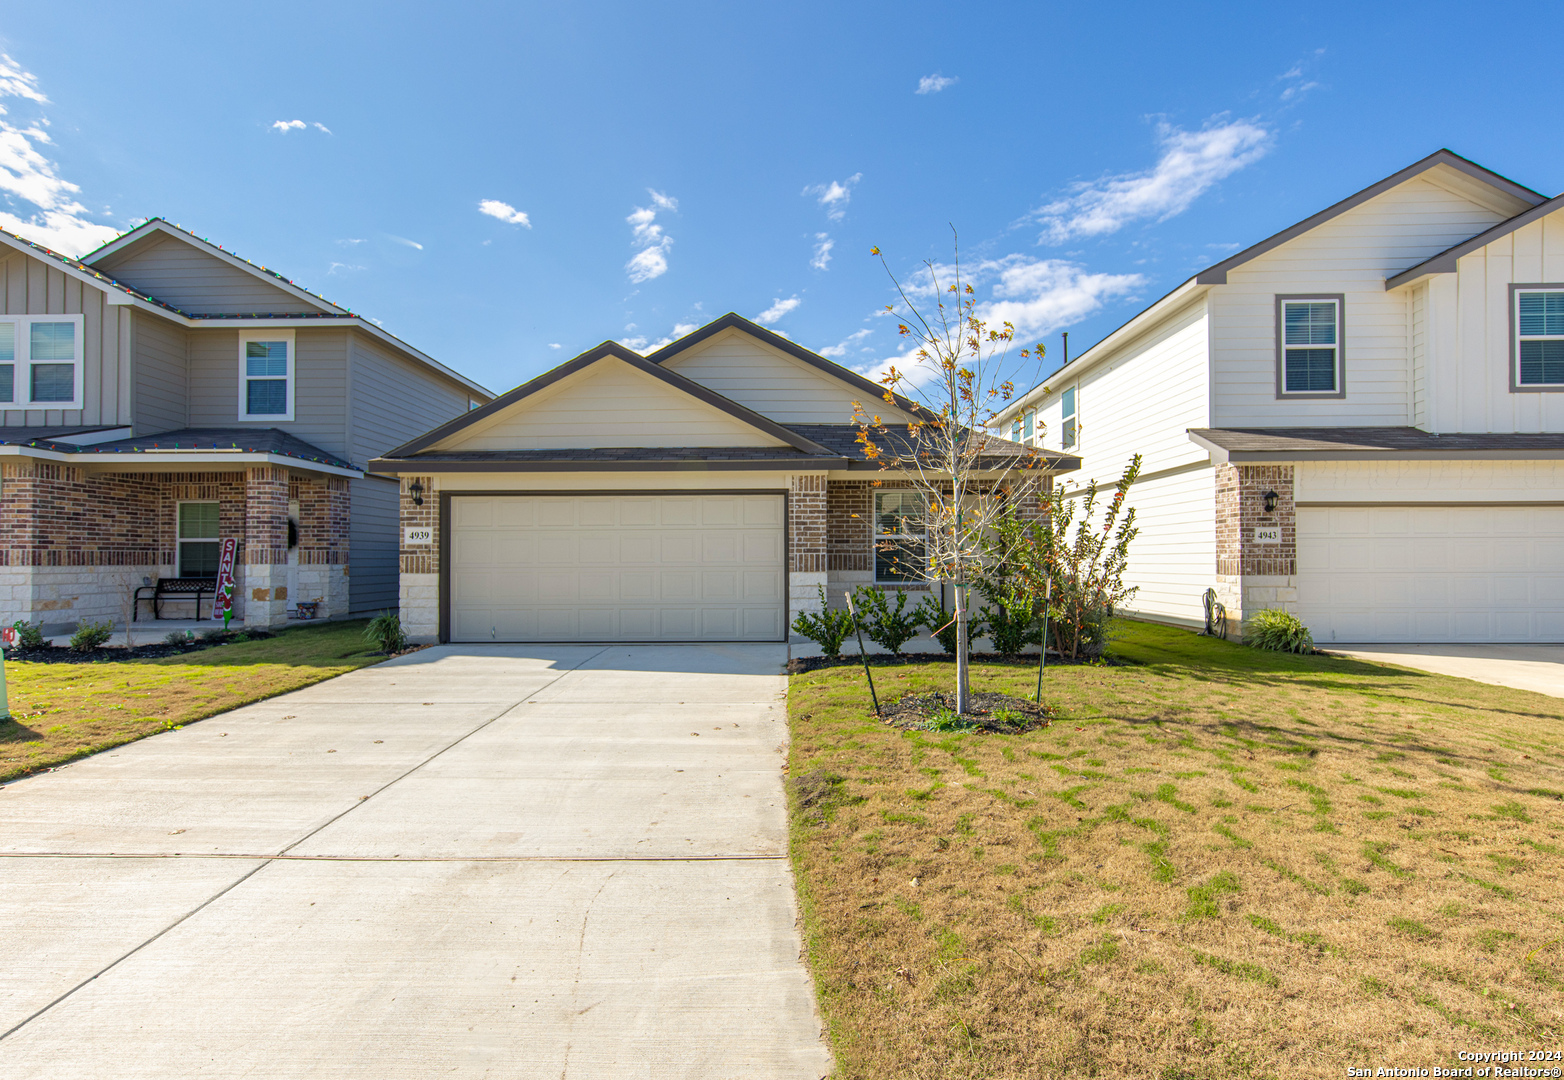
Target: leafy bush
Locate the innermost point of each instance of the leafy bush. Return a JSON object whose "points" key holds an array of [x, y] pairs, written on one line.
{"points": [[948, 720], [217, 636], [179, 637], [90, 635], [888, 626], [1013, 621], [942, 624], [29, 635], [1009, 717], [826, 628], [1278, 630], [385, 630]]}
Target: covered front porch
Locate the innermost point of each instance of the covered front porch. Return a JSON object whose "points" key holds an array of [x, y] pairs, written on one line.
{"points": [[84, 530]]}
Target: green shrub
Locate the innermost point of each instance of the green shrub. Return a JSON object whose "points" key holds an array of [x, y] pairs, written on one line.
{"points": [[90, 635], [1279, 631], [385, 631], [179, 637], [942, 624], [826, 628], [888, 625], [216, 635], [1013, 622], [29, 635]]}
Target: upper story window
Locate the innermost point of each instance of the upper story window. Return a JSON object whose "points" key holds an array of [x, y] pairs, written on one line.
{"points": [[1539, 337], [266, 367], [1308, 346], [900, 536], [1029, 426], [41, 361], [1067, 419]]}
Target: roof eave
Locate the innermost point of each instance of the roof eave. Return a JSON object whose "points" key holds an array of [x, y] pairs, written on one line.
{"points": [[1448, 260]]}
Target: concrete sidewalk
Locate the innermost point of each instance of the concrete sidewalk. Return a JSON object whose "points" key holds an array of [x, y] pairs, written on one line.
{"points": [[1524, 667], [470, 861]]}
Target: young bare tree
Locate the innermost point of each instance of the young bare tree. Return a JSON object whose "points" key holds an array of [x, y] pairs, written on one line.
{"points": [[959, 373]]}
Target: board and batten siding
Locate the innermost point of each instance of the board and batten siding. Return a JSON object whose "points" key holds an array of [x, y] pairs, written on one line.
{"points": [[1351, 254], [196, 282], [774, 384], [391, 400], [30, 286], [161, 401], [608, 404], [1469, 334], [320, 393]]}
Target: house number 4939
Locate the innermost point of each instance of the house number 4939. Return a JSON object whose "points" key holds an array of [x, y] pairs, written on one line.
{"points": [[414, 537], [1268, 534]]}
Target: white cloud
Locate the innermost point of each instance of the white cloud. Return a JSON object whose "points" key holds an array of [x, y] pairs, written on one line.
{"points": [[504, 211], [1297, 77], [777, 309], [933, 84], [834, 196], [645, 346], [555, 345], [59, 222], [652, 260], [334, 267], [318, 126], [1036, 296], [1191, 163], [822, 256], [404, 240], [836, 352], [285, 126], [352, 240]]}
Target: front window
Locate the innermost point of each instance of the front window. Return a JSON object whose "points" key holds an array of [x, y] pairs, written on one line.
{"points": [[266, 364], [1311, 346], [199, 539], [1539, 338], [900, 536], [47, 350], [1067, 425]]}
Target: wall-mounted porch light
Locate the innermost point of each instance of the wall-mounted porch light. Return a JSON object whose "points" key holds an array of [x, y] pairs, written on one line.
{"points": [[416, 490], [1270, 502]]}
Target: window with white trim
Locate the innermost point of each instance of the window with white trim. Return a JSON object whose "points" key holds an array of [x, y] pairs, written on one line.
{"points": [[199, 539], [266, 375], [1067, 419], [1539, 337], [41, 361], [1311, 346], [900, 536]]}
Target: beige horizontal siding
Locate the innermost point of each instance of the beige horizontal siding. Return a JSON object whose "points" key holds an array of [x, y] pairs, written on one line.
{"points": [[197, 282]]}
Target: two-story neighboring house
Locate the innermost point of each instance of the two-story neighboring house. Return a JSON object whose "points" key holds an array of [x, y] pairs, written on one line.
{"points": [[1358, 419], [161, 395]]}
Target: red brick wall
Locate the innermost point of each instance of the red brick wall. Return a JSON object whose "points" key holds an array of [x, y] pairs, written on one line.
{"points": [[806, 524], [324, 505], [266, 516], [424, 558], [849, 511]]}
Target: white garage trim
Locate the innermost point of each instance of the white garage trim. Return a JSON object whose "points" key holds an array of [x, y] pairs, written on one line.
{"points": [[1449, 572], [596, 565]]}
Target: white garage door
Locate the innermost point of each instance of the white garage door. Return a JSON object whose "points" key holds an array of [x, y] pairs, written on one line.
{"points": [[1432, 574], [617, 568]]}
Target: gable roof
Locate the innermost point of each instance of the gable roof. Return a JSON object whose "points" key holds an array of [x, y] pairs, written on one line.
{"points": [[734, 321], [162, 227], [1445, 261], [1217, 274], [121, 293], [642, 364]]}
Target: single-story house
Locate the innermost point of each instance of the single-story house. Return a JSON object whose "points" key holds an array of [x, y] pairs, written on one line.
{"points": [[705, 492]]}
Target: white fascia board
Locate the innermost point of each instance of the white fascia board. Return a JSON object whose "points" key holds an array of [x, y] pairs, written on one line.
{"points": [[1098, 352], [175, 460], [1219, 455]]}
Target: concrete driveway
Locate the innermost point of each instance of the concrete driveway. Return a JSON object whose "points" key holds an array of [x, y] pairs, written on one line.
{"points": [[1524, 667], [472, 861]]}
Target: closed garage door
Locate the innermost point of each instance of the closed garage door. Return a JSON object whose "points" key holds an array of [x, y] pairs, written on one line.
{"points": [[1432, 574], [617, 568]]}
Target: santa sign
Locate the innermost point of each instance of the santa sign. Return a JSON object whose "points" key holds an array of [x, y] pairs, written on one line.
{"points": [[223, 602]]}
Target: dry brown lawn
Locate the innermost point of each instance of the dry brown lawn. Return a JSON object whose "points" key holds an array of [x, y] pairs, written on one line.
{"points": [[1215, 862], [60, 712]]}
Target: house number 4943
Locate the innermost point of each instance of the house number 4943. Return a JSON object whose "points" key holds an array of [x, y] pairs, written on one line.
{"points": [[1268, 534], [414, 537]]}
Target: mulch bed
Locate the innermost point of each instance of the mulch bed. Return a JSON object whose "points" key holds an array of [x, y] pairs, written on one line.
{"points": [[801, 665], [921, 712], [60, 654]]}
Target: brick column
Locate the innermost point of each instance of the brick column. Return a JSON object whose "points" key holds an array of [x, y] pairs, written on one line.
{"points": [[1253, 576], [420, 562], [807, 556], [324, 505], [264, 582]]}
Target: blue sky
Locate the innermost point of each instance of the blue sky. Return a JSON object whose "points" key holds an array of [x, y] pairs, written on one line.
{"points": [[504, 186]]}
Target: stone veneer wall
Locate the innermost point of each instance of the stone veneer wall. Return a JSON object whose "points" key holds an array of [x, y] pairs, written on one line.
{"points": [[1251, 576], [325, 508], [420, 565]]}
